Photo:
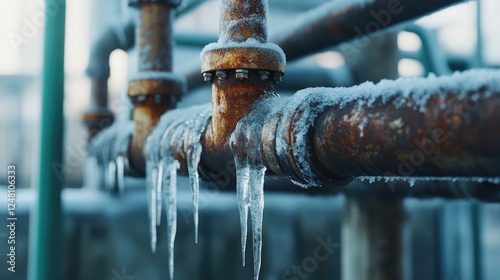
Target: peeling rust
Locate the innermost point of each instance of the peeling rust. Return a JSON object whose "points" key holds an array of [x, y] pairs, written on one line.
{"points": [[154, 37], [446, 139]]}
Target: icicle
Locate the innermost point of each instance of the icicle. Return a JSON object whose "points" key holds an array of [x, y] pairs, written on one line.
{"points": [[193, 159], [120, 173], [171, 211], [257, 209], [151, 178], [243, 196], [159, 193], [250, 172]]}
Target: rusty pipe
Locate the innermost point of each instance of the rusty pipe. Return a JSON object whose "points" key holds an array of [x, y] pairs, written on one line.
{"points": [[421, 127], [242, 66], [154, 89]]}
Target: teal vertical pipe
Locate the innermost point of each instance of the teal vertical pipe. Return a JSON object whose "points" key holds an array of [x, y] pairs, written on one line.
{"points": [[46, 260], [477, 234]]}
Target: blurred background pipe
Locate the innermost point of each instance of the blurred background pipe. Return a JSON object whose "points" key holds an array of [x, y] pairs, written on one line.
{"points": [[332, 24], [115, 36]]}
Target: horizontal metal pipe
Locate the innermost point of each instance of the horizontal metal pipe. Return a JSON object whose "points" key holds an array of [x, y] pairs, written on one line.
{"points": [[336, 22], [432, 127]]}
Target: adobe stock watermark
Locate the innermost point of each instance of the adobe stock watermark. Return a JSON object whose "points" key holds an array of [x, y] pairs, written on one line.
{"points": [[426, 148], [31, 26], [381, 19], [321, 253], [121, 276]]}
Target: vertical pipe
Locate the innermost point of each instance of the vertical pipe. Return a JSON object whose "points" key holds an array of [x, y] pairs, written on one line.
{"points": [[155, 89], [242, 20], [372, 239], [47, 247], [476, 214], [154, 37], [242, 67]]}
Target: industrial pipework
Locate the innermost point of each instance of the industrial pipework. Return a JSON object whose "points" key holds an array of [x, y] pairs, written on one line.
{"points": [[154, 89], [435, 128], [337, 22], [241, 66]]}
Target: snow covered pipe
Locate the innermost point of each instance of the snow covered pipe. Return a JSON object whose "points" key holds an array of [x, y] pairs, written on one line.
{"points": [[427, 128], [116, 36], [154, 89]]}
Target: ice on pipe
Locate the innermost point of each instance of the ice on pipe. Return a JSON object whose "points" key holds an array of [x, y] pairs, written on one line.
{"points": [[250, 171], [161, 168], [193, 158], [413, 180], [107, 154], [411, 93]]}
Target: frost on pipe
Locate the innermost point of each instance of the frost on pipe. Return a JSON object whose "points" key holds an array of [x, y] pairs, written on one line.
{"points": [[250, 171], [171, 131], [412, 180], [368, 130], [106, 162]]}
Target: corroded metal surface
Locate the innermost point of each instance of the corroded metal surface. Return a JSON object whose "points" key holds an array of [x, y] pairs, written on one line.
{"points": [[155, 86], [154, 37], [243, 19], [450, 137], [452, 134], [244, 58], [240, 72]]}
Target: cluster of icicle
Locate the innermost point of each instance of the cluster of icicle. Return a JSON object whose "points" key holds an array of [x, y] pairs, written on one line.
{"points": [[161, 168], [108, 157], [250, 171]]}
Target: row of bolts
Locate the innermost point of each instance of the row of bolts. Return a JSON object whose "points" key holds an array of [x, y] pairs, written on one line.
{"points": [[240, 74]]}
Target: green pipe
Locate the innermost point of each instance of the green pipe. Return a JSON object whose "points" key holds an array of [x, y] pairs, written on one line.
{"points": [[46, 251]]}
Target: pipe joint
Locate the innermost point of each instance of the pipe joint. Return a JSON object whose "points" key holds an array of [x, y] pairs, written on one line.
{"points": [[162, 87], [263, 56]]}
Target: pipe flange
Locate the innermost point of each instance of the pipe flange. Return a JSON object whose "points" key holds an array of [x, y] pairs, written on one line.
{"points": [[153, 83], [242, 56], [171, 3]]}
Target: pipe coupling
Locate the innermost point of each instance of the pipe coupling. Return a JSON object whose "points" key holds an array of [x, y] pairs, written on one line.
{"points": [[161, 86]]}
